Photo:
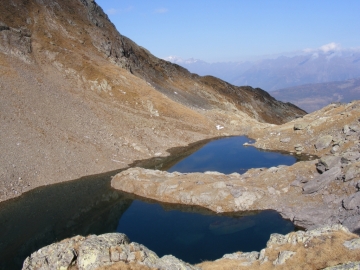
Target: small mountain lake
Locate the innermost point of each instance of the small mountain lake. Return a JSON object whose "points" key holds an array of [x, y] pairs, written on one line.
{"points": [[90, 206]]}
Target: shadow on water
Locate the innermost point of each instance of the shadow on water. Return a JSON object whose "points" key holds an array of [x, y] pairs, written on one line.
{"points": [[84, 206]]}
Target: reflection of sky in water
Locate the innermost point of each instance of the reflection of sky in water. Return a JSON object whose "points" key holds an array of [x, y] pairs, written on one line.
{"points": [[194, 237], [228, 155]]}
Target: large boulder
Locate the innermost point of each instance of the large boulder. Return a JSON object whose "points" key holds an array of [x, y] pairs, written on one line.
{"points": [[323, 142], [322, 180]]}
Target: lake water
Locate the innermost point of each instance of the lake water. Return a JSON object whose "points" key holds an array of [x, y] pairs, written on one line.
{"points": [[228, 155], [90, 206]]}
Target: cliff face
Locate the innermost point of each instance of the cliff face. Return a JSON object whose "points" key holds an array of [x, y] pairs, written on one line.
{"points": [[77, 98]]}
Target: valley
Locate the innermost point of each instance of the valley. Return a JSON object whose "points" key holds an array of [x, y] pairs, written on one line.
{"points": [[79, 100]]}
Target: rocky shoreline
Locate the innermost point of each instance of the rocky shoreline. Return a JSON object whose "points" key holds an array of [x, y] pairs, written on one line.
{"points": [[309, 193], [296, 250]]}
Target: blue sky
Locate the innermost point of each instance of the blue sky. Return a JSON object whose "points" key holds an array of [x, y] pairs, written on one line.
{"points": [[233, 30]]}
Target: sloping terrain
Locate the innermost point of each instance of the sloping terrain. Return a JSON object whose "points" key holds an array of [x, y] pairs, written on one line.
{"points": [[312, 97], [77, 98]]}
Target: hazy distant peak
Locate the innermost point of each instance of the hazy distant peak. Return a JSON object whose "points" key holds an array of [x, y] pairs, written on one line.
{"points": [[179, 60]]}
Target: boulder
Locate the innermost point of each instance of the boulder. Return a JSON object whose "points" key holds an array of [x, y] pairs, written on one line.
{"points": [[94, 251], [352, 244], [352, 223], [322, 180], [323, 142], [352, 171], [300, 126], [327, 162], [352, 202], [349, 157]]}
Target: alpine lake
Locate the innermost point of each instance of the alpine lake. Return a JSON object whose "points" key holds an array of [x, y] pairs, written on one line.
{"points": [[90, 206]]}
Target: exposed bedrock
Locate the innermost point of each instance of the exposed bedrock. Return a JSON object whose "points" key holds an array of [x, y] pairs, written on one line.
{"points": [[291, 251]]}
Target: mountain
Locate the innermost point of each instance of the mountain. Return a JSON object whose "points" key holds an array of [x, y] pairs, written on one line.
{"points": [[313, 66], [312, 97], [78, 98]]}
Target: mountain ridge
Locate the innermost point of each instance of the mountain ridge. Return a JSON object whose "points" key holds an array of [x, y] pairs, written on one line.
{"points": [[311, 66], [78, 98]]}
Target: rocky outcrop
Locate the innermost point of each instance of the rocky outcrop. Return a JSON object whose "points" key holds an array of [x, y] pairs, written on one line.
{"points": [[297, 250], [16, 42], [93, 252]]}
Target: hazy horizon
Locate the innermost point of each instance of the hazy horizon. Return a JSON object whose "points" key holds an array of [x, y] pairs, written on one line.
{"points": [[235, 30]]}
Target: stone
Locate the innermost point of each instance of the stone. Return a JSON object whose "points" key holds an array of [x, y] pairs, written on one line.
{"points": [[327, 162], [352, 244], [94, 251], [55, 256], [285, 140], [323, 142], [283, 257], [321, 181], [300, 126], [349, 157], [353, 224], [276, 239], [169, 262], [299, 148], [352, 171], [345, 266], [346, 129], [352, 202]]}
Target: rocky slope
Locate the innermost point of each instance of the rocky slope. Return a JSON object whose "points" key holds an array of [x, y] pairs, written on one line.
{"points": [[77, 98], [330, 246]]}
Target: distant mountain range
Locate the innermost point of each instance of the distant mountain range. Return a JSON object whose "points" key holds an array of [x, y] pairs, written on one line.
{"points": [[311, 66], [312, 97]]}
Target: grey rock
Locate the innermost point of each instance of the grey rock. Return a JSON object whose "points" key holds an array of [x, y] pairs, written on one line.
{"points": [[236, 192], [327, 162], [323, 142], [345, 266], [94, 251], [352, 202], [352, 171], [346, 129], [355, 128], [300, 126], [352, 223], [299, 148], [353, 244], [285, 140], [249, 256], [322, 180], [97, 251], [283, 257], [349, 157], [169, 262], [55, 256], [312, 216], [276, 239]]}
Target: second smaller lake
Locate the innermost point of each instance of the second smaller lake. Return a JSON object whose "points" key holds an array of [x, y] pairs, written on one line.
{"points": [[229, 155]]}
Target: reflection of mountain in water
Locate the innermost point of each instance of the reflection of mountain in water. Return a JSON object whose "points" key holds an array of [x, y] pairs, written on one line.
{"points": [[49, 214], [230, 226]]}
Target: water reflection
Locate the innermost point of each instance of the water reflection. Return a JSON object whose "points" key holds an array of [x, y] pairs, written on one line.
{"points": [[198, 235], [90, 206]]}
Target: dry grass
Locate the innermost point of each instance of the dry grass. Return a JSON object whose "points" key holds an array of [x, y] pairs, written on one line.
{"points": [[321, 252], [125, 266]]}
